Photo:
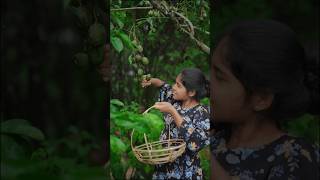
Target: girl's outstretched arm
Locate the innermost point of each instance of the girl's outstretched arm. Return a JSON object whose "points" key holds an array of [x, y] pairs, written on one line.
{"points": [[153, 81]]}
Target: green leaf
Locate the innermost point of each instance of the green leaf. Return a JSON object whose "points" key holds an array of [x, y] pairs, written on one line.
{"points": [[117, 145], [126, 124], [117, 102], [126, 40], [39, 154], [10, 149], [205, 101], [15, 121], [24, 168], [130, 59], [16, 126], [117, 43], [116, 20]]}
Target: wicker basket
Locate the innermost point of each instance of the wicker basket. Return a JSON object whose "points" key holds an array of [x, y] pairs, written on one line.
{"points": [[158, 152]]}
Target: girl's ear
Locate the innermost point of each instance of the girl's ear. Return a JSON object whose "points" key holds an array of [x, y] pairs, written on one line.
{"points": [[191, 93], [261, 101]]}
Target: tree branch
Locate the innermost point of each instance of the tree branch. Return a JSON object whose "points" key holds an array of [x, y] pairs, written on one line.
{"points": [[131, 8], [187, 27]]}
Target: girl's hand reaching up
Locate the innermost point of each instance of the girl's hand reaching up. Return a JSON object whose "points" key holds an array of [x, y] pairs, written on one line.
{"points": [[145, 83], [153, 81]]}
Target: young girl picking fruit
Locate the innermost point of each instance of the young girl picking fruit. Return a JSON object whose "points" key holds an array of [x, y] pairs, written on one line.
{"points": [[187, 120]]}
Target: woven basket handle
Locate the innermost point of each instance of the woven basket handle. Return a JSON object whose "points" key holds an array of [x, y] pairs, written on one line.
{"points": [[146, 111], [131, 138], [169, 135]]}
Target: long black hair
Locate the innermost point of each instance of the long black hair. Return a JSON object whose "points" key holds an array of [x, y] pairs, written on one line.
{"points": [[194, 79], [266, 56]]}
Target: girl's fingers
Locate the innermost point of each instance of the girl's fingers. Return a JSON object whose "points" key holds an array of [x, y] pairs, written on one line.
{"points": [[145, 83], [156, 106]]}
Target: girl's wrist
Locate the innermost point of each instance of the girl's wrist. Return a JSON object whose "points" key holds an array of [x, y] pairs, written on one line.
{"points": [[172, 111], [151, 81], [176, 116]]}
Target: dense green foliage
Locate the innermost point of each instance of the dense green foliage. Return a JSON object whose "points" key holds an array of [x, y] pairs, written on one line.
{"points": [[27, 154], [60, 133]]}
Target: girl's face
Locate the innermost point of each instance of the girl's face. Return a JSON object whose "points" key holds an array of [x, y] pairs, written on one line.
{"points": [[179, 91], [227, 93]]}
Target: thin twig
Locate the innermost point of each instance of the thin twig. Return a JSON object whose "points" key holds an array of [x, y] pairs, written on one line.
{"points": [[188, 21], [131, 8], [201, 30]]}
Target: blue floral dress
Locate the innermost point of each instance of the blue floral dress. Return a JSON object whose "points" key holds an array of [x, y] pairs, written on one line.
{"points": [[287, 157], [195, 132]]}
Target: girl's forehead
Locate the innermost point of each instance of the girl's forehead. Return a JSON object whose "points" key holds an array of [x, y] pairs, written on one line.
{"points": [[178, 78]]}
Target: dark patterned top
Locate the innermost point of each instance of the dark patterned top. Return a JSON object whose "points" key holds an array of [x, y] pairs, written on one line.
{"points": [[195, 132], [287, 157]]}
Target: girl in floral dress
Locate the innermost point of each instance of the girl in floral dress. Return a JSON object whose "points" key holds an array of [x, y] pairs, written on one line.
{"points": [[258, 81], [187, 119]]}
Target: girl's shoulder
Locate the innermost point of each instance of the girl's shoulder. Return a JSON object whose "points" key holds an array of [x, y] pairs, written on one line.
{"points": [[294, 156], [203, 108], [292, 147], [285, 148]]}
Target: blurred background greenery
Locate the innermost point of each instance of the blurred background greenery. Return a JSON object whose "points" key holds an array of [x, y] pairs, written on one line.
{"points": [[54, 107]]}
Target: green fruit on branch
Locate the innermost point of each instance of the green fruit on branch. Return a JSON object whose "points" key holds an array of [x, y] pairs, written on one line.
{"points": [[145, 60], [134, 42], [138, 57], [144, 77], [140, 48], [150, 12], [135, 66], [97, 34], [147, 77], [140, 72]]}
